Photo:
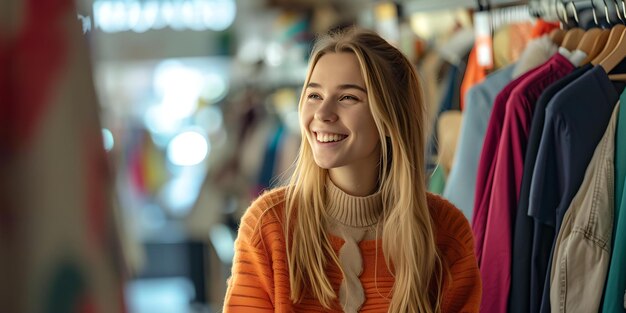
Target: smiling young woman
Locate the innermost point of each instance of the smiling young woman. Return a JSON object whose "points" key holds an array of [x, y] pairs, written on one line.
{"points": [[355, 229]]}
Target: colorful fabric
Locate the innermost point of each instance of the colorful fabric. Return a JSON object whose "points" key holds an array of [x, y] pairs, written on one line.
{"points": [[575, 122], [59, 245], [542, 28], [519, 300], [461, 182], [582, 247], [496, 255], [615, 290], [486, 164], [474, 74]]}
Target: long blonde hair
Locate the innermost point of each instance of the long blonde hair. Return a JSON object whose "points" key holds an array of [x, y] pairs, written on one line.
{"points": [[408, 239]]}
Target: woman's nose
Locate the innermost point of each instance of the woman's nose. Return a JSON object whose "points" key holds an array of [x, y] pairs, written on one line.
{"points": [[326, 112]]}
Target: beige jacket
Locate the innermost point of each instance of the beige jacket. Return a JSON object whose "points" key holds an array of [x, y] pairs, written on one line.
{"points": [[582, 251]]}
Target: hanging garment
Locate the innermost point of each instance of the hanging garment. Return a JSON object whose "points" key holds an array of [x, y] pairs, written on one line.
{"points": [[582, 247], [449, 101], [486, 165], [287, 154], [542, 28], [519, 301], [509, 41], [61, 249], [496, 264], [437, 180], [266, 171], [536, 53], [448, 131], [430, 66], [615, 290], [447, 134], [461, 181], [461, 185], [574, 124], [474, 74]]}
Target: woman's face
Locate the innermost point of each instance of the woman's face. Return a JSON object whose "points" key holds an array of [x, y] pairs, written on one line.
{"points": [[336, 115]]}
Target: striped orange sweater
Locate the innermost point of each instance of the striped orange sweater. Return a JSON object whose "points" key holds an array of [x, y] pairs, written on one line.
{"points": [[260, 278]]}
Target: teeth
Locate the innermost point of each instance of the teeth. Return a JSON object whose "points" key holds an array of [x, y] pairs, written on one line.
{"points": [[329, 137]]}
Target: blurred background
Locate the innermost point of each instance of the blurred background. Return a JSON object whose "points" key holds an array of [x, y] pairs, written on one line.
{"points": [[136, 132]]}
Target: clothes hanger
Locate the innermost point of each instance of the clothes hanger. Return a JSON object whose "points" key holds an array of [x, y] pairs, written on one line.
{"points": [[611, 42], [615, 56], [620, 77], [557, 34], [598, 45], [594, 39], [573, 36], [589, 42], [614, 36]]}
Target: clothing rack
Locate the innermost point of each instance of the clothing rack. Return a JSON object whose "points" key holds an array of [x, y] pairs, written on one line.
{"points": [[412, 6], [560, 10], [509, 15], [515, 10]]}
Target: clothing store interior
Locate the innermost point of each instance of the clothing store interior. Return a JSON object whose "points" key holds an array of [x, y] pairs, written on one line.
{"points": [[135, 133]]}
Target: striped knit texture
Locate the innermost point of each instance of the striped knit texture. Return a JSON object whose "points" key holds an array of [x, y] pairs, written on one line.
{"points": [[260, 278]]}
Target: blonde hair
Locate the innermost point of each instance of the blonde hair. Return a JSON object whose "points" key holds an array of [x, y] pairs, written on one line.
{"points": [[408, 239]]}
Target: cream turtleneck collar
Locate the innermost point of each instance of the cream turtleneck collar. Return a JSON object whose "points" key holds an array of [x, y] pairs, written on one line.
{"points": [[351, 210]]}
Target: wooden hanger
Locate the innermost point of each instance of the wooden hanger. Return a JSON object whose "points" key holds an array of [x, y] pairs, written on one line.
{"points": [[596, 42], [614, 35], [586, 43], [618, 77], [572, 38], [616, 56], [556, 35]]}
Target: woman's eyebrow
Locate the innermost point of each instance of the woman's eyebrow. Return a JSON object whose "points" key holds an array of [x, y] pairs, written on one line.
{"points": [[344, 86]]}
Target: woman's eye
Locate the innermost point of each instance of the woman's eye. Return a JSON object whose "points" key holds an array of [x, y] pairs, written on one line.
{"points": [[350, 98], [314, 96]]}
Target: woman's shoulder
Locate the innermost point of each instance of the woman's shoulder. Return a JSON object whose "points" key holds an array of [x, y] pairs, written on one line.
{"points": [[453, 232], [269, 199], [264, 215]]}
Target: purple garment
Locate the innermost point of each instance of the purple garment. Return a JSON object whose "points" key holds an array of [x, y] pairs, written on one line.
{"points": [[509, 166]]}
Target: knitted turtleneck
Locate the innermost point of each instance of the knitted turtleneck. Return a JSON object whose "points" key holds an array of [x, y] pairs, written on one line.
{"points": [[260, 275], [353, 219]]}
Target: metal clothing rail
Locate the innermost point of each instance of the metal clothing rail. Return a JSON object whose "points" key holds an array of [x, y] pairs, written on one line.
{"points": [[553, 10], [412, 6]]}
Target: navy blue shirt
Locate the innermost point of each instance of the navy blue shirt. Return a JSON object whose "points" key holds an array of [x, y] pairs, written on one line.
{"points": [[575, 122], [520, 300]]}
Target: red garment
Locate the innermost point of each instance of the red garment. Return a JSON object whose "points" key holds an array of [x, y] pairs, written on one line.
{"points": [[474, 74], [61, 251], [486, 165], [542, 27], [509, 165]]}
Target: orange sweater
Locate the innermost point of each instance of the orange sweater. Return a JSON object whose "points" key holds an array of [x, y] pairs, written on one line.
{"points": [[260, 278]]}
